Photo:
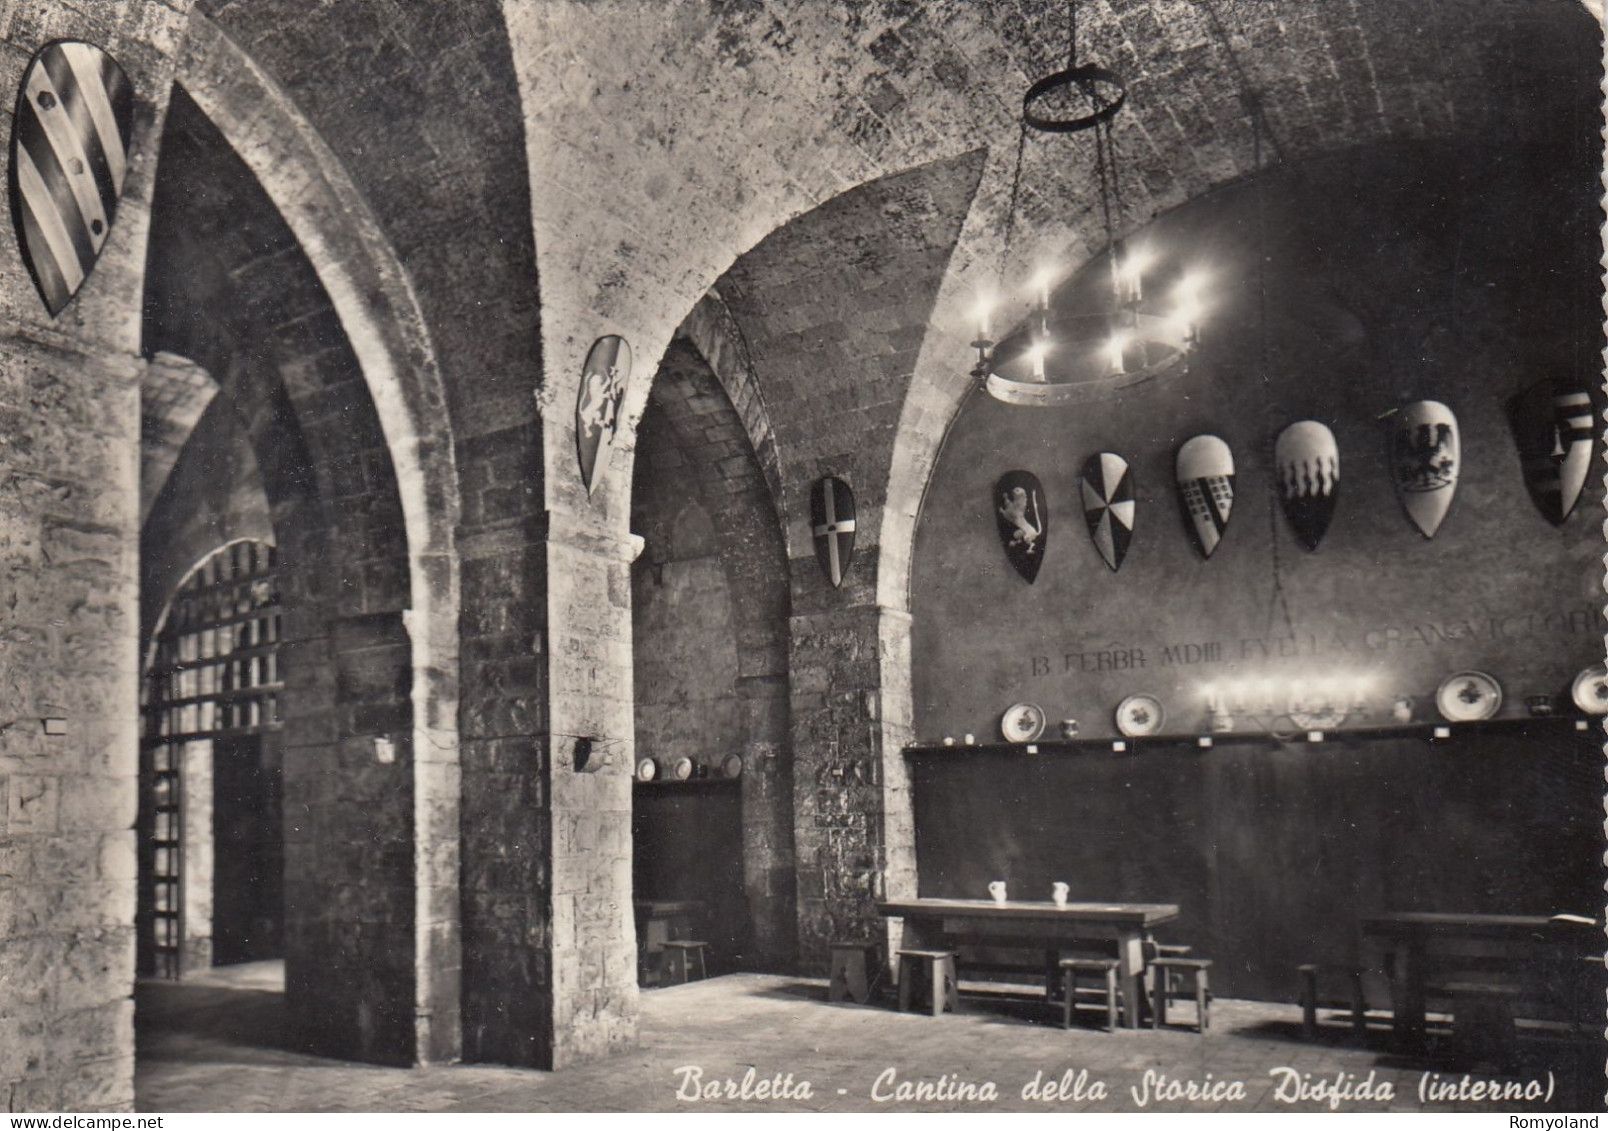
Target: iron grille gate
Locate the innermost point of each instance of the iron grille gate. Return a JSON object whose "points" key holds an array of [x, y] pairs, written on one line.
{"points": [[214, 673]]}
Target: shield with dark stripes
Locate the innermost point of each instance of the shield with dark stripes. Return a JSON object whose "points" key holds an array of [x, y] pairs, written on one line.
{"points": [[1108, 505], [69, 154], [832, 524], [1551, 423]]}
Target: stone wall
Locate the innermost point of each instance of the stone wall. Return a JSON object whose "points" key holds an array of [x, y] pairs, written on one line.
{"points": [[69, 512], [213, 496], [1393, 274]]}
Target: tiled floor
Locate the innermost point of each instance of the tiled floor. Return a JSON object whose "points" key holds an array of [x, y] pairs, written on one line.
{"points": [[214, 1044]]}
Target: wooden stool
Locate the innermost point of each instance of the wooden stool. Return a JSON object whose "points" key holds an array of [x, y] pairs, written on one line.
{"points": [[1154, 950], [939, 968], [676, 951], [1309, 1003], [1163, 988], [849, 977], [1071, 968]]}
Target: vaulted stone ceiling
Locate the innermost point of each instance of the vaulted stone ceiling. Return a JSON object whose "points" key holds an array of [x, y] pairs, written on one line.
{"points": [[665, 140], [549, 171]]}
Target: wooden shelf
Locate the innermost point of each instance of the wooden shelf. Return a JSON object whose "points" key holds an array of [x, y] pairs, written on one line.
{"points": [[671, 783], [1429, 732]]}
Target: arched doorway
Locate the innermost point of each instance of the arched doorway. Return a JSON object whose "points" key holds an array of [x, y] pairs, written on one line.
{"points": [[211, 840], [712, 829]]}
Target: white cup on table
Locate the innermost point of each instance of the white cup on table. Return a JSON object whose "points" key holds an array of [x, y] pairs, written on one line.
{"points": [[997, 891], [1058, 893]]}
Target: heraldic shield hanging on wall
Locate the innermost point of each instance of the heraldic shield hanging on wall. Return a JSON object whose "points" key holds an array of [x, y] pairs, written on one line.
{"points": [[69, 156], [1023, 520], [1108, 506], [1551, 423], [1308, 463], [1425, 454], [832, 525], [597, 405], [1205, 467]]}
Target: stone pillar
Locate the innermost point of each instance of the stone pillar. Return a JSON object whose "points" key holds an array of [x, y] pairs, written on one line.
{"points": [[69, 515], [590, 688], [851, 718], [767, 786], [69, 442], [505, 758]]}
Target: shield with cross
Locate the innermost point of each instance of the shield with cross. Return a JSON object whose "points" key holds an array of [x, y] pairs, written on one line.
{"points": [[832, 524]]}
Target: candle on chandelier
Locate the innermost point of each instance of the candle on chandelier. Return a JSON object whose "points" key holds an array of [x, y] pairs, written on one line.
{"points": [[1037, 351], [1114, 349], [1359, 692], [1128, 273], [1041, 283], [1186, 300], [985, 308]]}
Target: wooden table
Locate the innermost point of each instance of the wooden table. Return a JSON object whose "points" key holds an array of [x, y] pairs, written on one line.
{"points": [[1419, 943], [658, 921], [942, 923]]}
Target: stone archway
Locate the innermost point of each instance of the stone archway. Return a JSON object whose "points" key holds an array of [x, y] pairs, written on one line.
{"points": [[711, 664], [372, 296], [228, 284]]}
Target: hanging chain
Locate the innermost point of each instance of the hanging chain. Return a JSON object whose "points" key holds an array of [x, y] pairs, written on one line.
{"points": [[1010, 214], [1278, 600]]}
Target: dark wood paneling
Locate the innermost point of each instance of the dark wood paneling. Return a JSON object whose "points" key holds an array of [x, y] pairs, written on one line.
{"points": [[687, 843], [1273, 852]]}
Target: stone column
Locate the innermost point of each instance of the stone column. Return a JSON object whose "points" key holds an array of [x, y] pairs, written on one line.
{"points": [[851, 719], [69, 517], [590, 693]]}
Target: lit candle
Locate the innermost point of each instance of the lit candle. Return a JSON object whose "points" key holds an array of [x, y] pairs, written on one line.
{"points": [[1359, 692], [1041, 283], [1128, 272], [984, 309], [1187, 298], [1114, 349], [1037, 351]]}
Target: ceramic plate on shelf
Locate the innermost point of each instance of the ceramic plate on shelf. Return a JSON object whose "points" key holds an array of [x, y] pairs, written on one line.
{"points": [[647, 769], [1139, 715], [732, 765], [681, 769], [1468, 697], [1590, 690], [1022, 722]]}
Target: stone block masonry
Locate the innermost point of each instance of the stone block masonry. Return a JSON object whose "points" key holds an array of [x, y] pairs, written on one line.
{"points": [[69, 513]]}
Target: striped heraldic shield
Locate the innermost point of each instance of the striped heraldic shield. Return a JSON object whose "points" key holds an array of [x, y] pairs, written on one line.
{"points": [[69, 155]]}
